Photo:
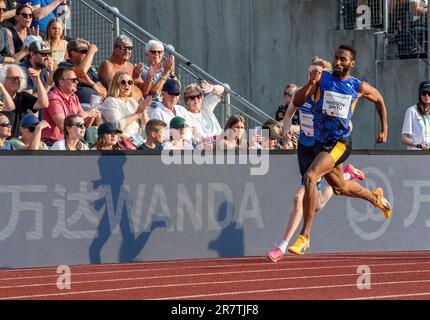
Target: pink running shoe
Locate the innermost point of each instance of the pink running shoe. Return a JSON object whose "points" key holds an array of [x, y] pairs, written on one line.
{"points": [[275, 255], [354, 172]]}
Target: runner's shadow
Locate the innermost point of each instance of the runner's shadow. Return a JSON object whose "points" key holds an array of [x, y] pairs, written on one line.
{"points": [[230, 242], [116, 204]]}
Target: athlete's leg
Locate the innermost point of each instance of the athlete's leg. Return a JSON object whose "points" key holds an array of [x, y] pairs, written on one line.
{"points": [[296, 214], [323, 197], [321, 165]]}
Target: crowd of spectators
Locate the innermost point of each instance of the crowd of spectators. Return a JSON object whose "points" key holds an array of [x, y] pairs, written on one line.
{"points": [[54, 98]]}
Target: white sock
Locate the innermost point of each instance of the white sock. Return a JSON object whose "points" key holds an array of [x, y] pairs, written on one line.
{"points": [[346, 176], [283, 246]]}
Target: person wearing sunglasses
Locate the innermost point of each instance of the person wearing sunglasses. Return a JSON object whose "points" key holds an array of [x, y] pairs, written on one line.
{"points": [[44, 11], [63, 102], [14, 81], [201, 108], [157, 72], [125, 112], [20, 31], [81, 54], [39, 59], [416, 124], [5, 54], [74, 132], [120, 61], [31, 133], [169, 108], [55, 40], [5, 132]]}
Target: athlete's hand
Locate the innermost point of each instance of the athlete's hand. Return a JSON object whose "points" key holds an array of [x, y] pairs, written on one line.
{"points": [[314, 77], [382, 137]]}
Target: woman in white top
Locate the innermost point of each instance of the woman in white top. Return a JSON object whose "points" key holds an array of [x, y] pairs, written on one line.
{"points": [[74, 131], [202, 119], [416, 125], [124, 111], [55, 39]]}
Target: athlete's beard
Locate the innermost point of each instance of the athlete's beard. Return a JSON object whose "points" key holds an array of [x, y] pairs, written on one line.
{"points": [[342, 73]]}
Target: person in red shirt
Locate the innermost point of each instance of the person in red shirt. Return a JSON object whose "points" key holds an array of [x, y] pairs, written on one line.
{"points": [[62, 102]]}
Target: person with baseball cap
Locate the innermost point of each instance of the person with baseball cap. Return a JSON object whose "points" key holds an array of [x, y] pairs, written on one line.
{"points": [[178, 127], [31, 133], [416, 124], [107, 137]]}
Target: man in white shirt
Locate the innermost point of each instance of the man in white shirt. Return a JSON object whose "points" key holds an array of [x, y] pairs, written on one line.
{"points": [[168, 108]]}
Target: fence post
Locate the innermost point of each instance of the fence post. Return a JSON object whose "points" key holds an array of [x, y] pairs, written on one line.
{"points": [[428, 47], [116, 26], [341, 15], [227, 102]]}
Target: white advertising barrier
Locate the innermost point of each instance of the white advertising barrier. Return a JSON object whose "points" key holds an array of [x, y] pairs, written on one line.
{"points": [[63, 208]]}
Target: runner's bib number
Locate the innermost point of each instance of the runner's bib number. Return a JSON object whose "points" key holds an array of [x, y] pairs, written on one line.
{"points": [[307, 124], [337, 104]]}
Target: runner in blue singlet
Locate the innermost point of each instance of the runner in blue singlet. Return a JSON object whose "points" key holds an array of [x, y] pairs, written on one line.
{"points": [[332, 113]]}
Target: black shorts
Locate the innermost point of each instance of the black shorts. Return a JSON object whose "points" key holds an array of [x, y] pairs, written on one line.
{"points": [[339, 150], [305, 157]]}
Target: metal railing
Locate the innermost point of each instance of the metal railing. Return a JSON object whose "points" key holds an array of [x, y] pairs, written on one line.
{"points": [[100, 23], [403, 25]]}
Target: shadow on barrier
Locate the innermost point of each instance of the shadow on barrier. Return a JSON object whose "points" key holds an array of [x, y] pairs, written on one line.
{"points": [[116, 205], [230, 242]]}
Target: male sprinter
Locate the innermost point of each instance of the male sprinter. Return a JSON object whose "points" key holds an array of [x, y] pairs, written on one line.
{"points": [[332, 142]]}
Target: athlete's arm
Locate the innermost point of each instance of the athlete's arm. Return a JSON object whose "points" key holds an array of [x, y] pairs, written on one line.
{"points": [[302, 94], [373, 95], [286, 125]]}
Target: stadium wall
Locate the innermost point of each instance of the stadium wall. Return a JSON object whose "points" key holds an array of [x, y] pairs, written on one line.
{"points": [[66, 209], [260, 46]]}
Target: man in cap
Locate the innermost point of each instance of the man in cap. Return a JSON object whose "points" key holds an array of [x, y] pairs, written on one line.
{"points": [[168, 108], [31, 133], [38, 59], [120, 61], [5, 131]]}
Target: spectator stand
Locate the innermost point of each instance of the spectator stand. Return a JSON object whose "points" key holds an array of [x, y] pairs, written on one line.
{"points": [[92, 18]]}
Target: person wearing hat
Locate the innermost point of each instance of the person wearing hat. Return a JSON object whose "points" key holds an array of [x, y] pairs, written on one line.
{"points": [[14, 78], [416, 124], [178, 128], [168, 108], [107, 137], [120, 61], [31, 133], [38, 59]]}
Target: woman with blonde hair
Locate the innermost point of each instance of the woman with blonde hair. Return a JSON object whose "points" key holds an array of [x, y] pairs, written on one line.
{"points": [[125, 112], [55, 39]]}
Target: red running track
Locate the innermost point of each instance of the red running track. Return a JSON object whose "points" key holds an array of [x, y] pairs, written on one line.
{"points": [[393, 275]]}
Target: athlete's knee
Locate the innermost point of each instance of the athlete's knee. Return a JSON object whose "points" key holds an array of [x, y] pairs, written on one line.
{"points": [[339, 190], [310, 178], [298, 201]]}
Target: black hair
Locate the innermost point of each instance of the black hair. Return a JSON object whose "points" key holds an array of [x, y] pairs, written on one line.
{"points": [[349, 48], [58, 74]]}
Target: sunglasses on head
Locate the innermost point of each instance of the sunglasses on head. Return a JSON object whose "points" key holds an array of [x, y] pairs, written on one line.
{"points": [[199, 96], [80, 125], [6, 124], [27, 15], [129, 82]]}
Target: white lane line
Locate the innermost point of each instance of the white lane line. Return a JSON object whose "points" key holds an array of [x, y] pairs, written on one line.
{"points": [[210, 282], [274, 268], [203, 296], [316, 257], [391, 296]]}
